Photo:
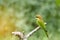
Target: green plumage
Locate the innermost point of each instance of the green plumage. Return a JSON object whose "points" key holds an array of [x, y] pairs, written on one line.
{"points": [[41, 24]]}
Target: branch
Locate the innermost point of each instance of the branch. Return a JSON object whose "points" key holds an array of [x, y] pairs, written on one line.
{"points": [[19, 34], [24, 37], [33, 31]]}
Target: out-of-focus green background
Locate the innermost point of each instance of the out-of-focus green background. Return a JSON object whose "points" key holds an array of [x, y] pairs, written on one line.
{"points": [[19, 15]]}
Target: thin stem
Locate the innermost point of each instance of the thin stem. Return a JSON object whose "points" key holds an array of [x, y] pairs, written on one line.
{"points": [[25, 37], [33, 31]]}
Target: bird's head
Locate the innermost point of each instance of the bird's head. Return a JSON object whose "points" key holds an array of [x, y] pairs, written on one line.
{"points": [[38, 17]]}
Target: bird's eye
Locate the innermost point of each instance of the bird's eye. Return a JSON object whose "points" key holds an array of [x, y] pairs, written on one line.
{"points": [[38, 16]]}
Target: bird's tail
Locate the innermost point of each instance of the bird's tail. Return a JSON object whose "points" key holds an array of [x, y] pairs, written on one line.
{"points": [[46, 32]]}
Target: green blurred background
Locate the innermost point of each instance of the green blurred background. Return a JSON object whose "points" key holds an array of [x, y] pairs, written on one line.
{"points": [[19, 15]]}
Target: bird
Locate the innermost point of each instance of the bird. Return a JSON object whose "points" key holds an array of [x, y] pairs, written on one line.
{"points": [[40, 22]]}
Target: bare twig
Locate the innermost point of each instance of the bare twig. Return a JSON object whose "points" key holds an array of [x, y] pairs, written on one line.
{"points": [[19, 34], [30, 33], [24, 37]]}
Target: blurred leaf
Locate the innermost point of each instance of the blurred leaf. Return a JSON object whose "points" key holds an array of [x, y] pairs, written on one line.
{"points": [[58, 3]]}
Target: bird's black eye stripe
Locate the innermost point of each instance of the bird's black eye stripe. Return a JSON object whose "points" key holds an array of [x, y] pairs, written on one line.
{"points": [[37, 17]]}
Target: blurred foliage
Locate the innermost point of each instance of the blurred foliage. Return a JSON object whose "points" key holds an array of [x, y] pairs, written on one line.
{"points": [[58, 3], [20, 15]]}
